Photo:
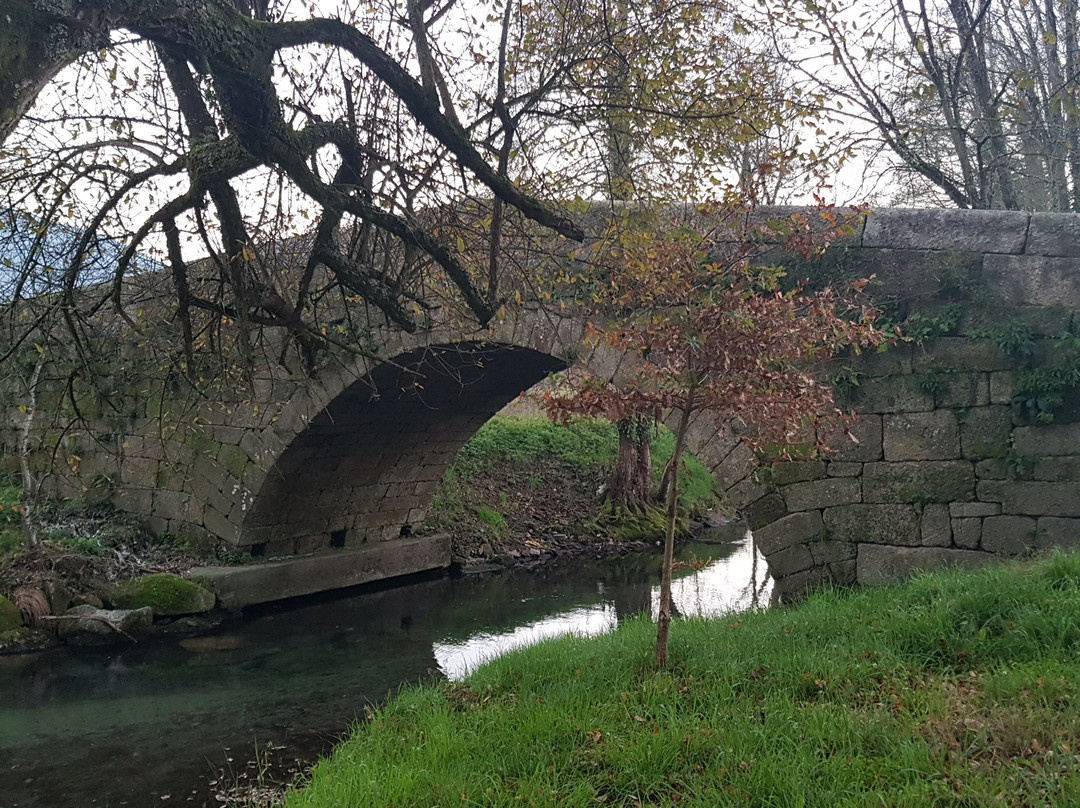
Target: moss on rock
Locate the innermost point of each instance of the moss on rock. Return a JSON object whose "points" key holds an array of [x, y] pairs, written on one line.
{"points": [[165, 594], [10, 616]]}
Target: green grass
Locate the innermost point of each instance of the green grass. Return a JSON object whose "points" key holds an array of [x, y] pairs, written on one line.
{"points": [[583, 442], [954, 690]]}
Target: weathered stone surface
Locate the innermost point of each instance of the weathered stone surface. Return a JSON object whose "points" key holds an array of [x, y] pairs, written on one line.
{"points": [[921, 436], [961, 389], [966, 354], [1002, 387], [994, 469], [880, 524], [237, 587], [10, 616], [1009, 535], [880, 564], [935, 526], [985, 432], [796, 586], [1053, 531], [987, 231], [971, 509], [841, 469], [1032, 498], [1055, 234], [764, 511], [1057, 469], [745, 492], [822, 493], [785, 473], [1033, 280], [166, 594], [867, 432], [792, 529], [892, 394], [919, 481], [1047, 439], [795, 558], [829, 552], [967, 533], [85, 625]]}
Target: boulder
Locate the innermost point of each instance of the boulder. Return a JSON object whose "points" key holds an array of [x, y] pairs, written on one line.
{"points": [[85, 625], [10, 616], [24, 639], [167, 595]]}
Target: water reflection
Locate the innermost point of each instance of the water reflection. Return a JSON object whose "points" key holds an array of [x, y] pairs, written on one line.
{"points": [[712, 581], [153, 723]]}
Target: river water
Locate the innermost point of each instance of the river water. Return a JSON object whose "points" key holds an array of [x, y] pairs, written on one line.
{"points": [[175, 721]]}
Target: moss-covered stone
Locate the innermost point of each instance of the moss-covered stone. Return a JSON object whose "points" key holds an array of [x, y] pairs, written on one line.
{"points": [[10, 616], [23, 639], [165, 594]]}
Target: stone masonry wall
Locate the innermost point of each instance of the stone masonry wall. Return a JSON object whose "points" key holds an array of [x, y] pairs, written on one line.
{"points": [[958, 461]]}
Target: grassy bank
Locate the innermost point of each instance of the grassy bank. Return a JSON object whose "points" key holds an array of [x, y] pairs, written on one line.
{"points": [[955, 690], [526, 479]]}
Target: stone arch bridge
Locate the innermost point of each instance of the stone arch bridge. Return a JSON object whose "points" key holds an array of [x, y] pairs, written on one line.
{"points": [[969, 434]]}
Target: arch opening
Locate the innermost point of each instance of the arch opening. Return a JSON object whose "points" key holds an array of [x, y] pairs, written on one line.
{"points": [[365, 467]]}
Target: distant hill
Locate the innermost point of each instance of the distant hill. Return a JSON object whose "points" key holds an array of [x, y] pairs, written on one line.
{"points": [[39, 256]]}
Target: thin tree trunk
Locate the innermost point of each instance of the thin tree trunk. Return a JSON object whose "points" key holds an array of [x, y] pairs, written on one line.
{"points": [[663, 620], [29, 488]]}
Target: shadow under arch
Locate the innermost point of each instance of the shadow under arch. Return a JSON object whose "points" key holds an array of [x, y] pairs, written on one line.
{"points": [[365, 467]]}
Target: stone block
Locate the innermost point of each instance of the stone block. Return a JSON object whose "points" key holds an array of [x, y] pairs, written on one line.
{"points": [[985, 432], [824, 493], [176, 505], [1053, 531], [961, 510], [1057, 469], [765, 511], [1008, 535], [967, 533], [830, 552], [1054, 234], [790, 530], [795, 558], [745, 493], [894, 360], [993, 469], [879, 524], [961, 389], [892, 394], [921, 436], [1033, 280], [1002, 387], [842, 469], [219, 525], [982, 231], [880, 564], [1045, 440], [963, 354], [935, 527], [867, 444], [786, 473], [234, 460], [919, 482], [1032, 498]]}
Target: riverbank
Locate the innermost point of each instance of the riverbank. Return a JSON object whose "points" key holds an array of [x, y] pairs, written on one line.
{"points": [[523, 491], [954, 690]]}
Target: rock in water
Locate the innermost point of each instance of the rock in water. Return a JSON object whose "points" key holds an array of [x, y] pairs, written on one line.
{"points": [[168, 595], [85, 625]]}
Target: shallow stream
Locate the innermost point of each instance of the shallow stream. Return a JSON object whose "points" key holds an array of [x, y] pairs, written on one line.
{"points": [[178, 721]]}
